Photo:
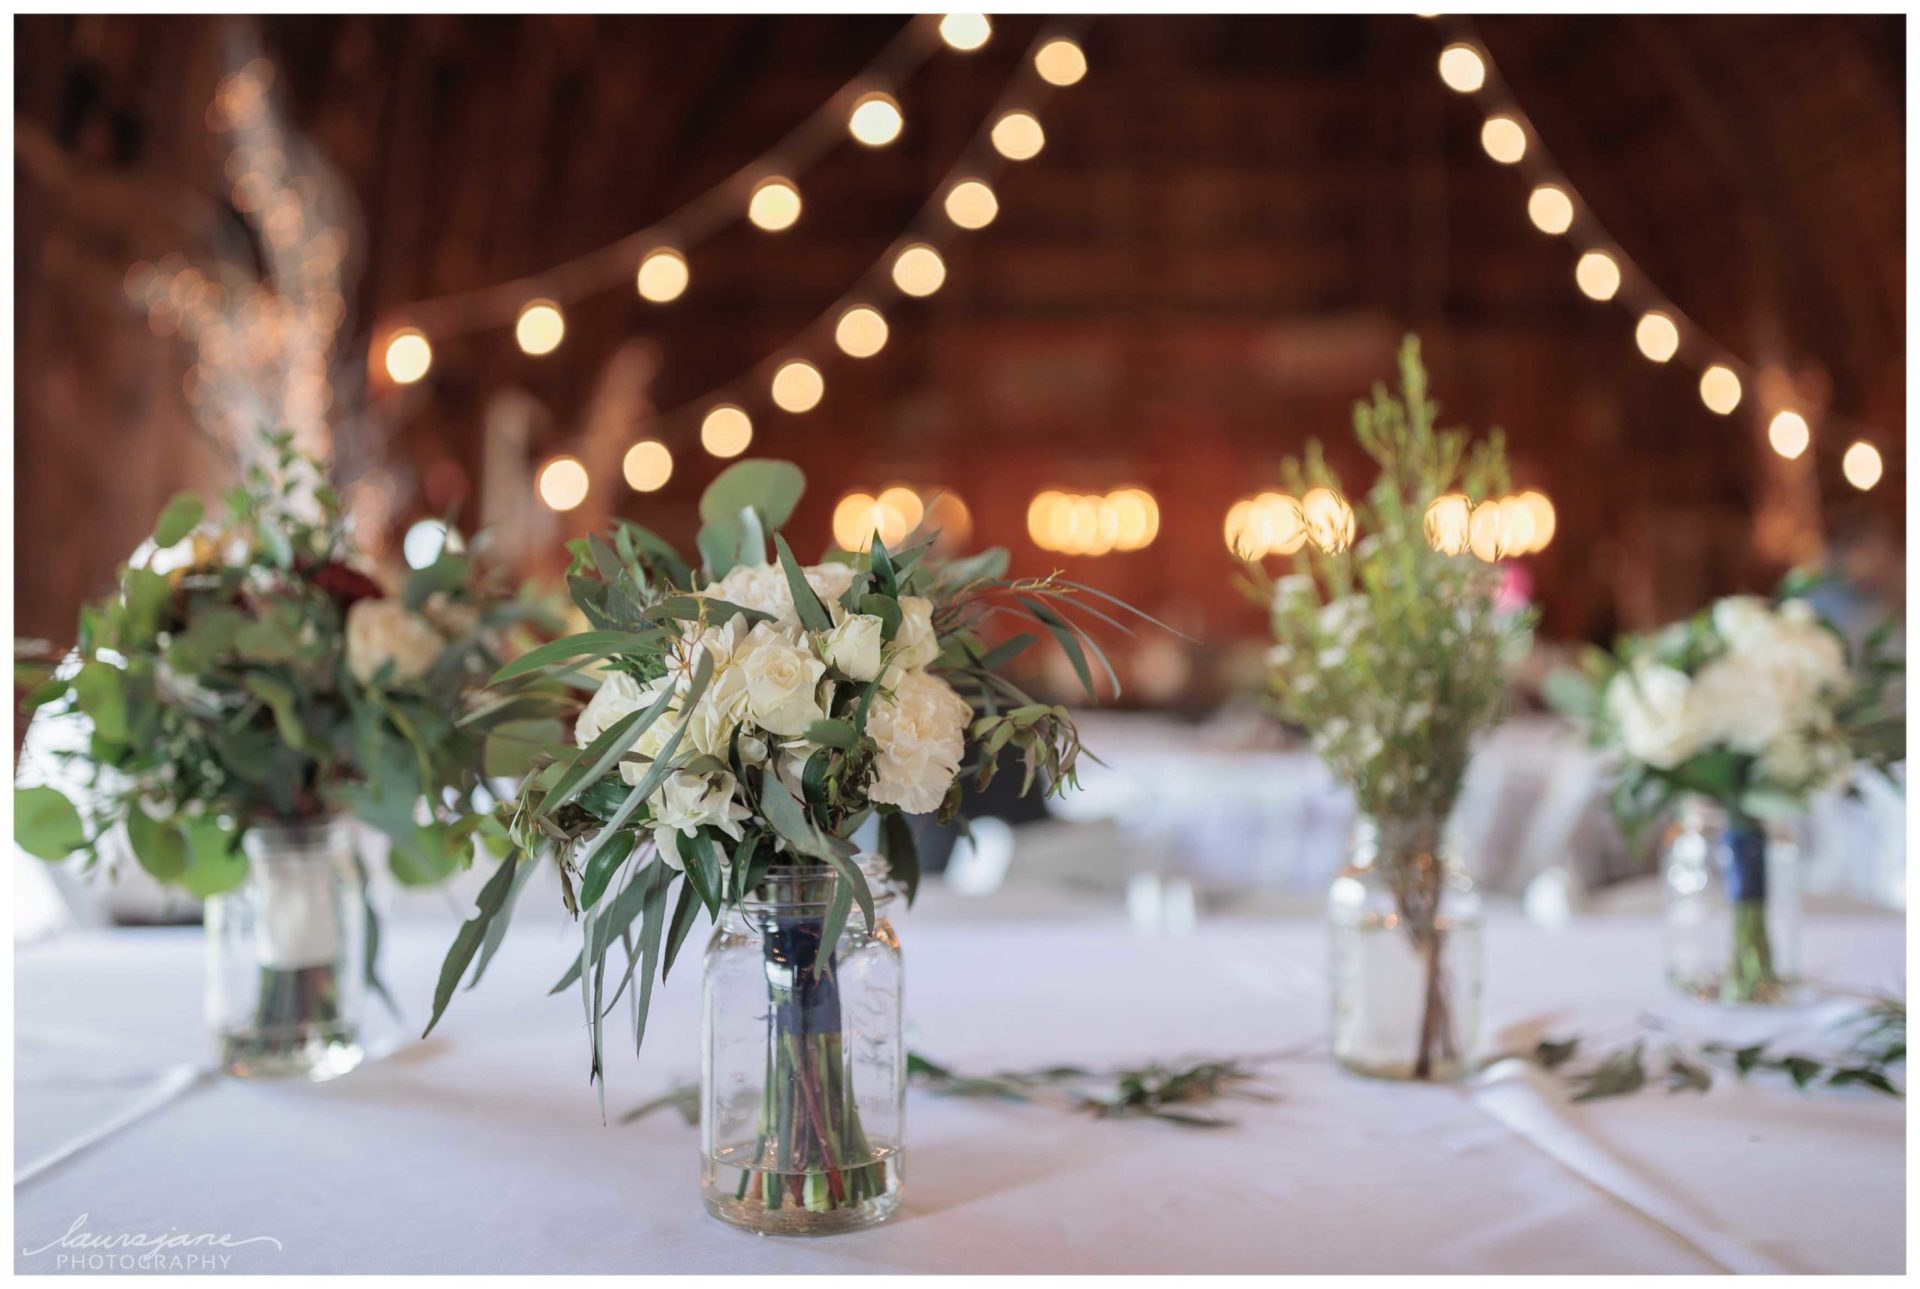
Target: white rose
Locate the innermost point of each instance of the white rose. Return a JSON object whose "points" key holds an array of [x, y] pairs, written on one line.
{"points": [[920, 732], [915, 641], [383, 631], [853, 646], [1653, 710], [781, 678], [618, 695], [1738, 701], [686, 803], [762, 587], [1742, 620]]}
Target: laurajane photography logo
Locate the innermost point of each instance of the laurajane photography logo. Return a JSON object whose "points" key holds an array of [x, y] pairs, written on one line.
{"points": [[170, 1251]]}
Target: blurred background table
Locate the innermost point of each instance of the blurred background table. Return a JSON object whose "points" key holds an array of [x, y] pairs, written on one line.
{"points": [[481, 1149]]}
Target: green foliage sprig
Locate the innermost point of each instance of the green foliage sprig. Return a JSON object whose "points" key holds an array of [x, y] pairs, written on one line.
{"points": [[1389, 653]]}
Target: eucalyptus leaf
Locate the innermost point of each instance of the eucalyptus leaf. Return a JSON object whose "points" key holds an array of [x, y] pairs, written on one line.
{"points": [[45, 823]]}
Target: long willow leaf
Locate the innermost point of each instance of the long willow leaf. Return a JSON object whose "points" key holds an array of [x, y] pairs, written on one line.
{"points": [[586, 645], [493, 898]]}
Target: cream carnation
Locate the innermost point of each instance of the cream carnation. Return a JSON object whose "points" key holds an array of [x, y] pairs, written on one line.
{"points": [[920, 732], [686, 803], [386, 631]]}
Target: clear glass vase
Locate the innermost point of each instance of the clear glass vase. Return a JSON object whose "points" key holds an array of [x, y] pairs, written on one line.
{"points": [[803, 1072], [1733, 906], [1405, 929], [286, 955]]}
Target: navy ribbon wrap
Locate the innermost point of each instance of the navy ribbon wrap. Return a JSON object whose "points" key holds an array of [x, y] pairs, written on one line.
{"points": [[1743, 862]]}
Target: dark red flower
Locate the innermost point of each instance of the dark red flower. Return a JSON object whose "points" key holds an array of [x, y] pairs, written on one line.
{"points": [[346, 585]]}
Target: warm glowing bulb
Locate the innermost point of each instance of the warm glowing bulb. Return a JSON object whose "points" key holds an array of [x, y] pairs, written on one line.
{"points": [[1550, 209], [1017, 136], [1329, 519], [1719, 389], [648, 466], [1462, 68], [919, 270], [1448, 523], [1136, 517], [971, 204], [1516, 526], [854, 521], [1504, 139], [726, 431], [1540, 514], [861, 332], [965, 32], [1788, 434], [775, 205], [876, 120], [1039, 515], [1484, 536], [1657, 336], [1060, 62], [539, 330], [409, 356], [798, 386], [663, 276], [563, 483], [1861, 465], [1285, 524], [1597, 276], [904, 502]]}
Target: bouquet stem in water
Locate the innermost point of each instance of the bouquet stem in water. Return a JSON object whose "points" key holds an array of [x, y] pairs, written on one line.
{"points": [[297, 1028]]}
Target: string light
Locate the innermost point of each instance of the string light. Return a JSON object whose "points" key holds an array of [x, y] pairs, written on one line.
{"points": [[1862, 465], [774, 206], [1504, 139], [905, 502], [563, 483], [1268, 524], [1657, 336], [1516, 526], [861, 332], [1544, 520], [726, 431], [875, 120], [918, 270], [663, 276], [540, 328], [971, 204], [860, 517], [1125, 519], [1597, 276], [1017, 136], [1719, 389], [647, 466], [1788, 434], [1550, 209], [798, 386], [966, 32], [1462, 68], [1060, 62], [409, 357], [1484, 535], [1329, 519], [1447, 523]]}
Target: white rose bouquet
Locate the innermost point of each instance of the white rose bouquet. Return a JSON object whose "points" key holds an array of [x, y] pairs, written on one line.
{"points": [[252, 673], [746, 719], [1754, 706]]}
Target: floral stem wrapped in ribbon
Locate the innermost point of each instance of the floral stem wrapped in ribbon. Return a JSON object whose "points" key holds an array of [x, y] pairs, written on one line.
{"points": [[746, 719]]}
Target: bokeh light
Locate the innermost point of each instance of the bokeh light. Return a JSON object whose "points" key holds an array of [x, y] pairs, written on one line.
{"points": [[1862, 465], [1448, 523], [966, 32], [563, 483], [918, 270], [1719, 389], [726, 431], [1017, 136], [861, 332], [1504, 139], [1550, 209], [647, 466], [663, 275], [1462, 68], [1657, 336], [1597, 275], [1060, 62], [798, 386], [540, 328], [971, 204], [409, 356], [1788, 434], [775, 205], [875, 120]]}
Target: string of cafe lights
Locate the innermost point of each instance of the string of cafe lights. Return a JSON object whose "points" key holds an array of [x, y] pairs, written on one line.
{"points": [[855, 324], [1604, 272]]}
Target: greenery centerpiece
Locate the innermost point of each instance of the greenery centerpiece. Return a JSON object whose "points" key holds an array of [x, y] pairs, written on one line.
{"points": [[247, 686], [749, 718], [1726, 725], [1391, 652]]}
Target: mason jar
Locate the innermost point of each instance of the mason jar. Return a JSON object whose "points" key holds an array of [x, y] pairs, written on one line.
{"points": [[286, 954], [803, 1070], [1404, 922], [1732, 905]]}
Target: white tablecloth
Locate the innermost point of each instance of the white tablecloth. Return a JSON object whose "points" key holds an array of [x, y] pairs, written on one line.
{"points": [[481, 1149]]}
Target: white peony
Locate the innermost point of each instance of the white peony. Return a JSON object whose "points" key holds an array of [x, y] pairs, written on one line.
{"points": [[920, 733], [915, 643], [1736, 701], [383, 631], [618, 695], [1742, 620], [853, 646], [781, 679], [686, 803], [1652, 708], [764, 587]]}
